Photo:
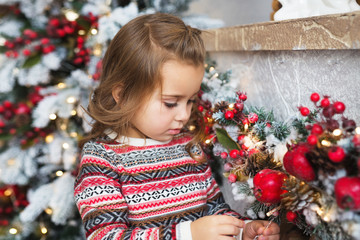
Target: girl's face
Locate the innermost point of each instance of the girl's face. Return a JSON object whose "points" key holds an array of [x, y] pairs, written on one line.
{"points": [[168, 111]]}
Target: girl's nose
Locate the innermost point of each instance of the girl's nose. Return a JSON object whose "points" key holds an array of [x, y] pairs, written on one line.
{"points": [[183, 114]]}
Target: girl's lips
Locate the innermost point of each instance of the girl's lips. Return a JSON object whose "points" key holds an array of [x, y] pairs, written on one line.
{"points": [[174, 131]]}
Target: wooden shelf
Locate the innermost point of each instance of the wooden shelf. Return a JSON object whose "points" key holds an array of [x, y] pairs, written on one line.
{"points": [[327, 32]]}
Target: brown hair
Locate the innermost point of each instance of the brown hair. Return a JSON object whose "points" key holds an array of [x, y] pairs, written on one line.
{"points": [[132, 63]]}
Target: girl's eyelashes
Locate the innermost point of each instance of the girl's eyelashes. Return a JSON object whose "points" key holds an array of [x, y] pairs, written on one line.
{"points": [[170, 105], [192, 101]]}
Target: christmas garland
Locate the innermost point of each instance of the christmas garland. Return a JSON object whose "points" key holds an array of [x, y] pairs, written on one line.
{"points": [[305, 170]]}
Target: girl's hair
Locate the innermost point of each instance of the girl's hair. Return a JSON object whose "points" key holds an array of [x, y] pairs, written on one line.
{"points": [[133, 62]]}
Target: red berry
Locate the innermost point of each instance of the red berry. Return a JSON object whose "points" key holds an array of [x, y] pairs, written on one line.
{"points": [[200, 108], [239, 106], [339, 107], [242, 97], [245, 121], [329, 111], [315, 97], [234, 153], [45, 41], [26, 52], [2, 123], [240, 138], [7, 104], [304, 111], [253, 117], [229, 115], [224, 155], [60, 32], [241, 153], [291, 216], [356, 140], [325, 102], [232, 178], [316, 129], [336, 154], [312, 139], [54, 22]]}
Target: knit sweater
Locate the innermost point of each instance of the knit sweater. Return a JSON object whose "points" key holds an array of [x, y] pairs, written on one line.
{"points": [[153, 191]]}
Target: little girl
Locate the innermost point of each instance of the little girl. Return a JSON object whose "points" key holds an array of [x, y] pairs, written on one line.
{"points": [[142, 175]]}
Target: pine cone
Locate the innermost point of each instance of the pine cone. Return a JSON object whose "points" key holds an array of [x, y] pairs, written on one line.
{"points": [[299, 195], [319, 158], [259, 161], [223, 105]]}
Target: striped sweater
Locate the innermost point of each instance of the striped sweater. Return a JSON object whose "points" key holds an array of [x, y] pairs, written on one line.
{"points": [[152, 191]]}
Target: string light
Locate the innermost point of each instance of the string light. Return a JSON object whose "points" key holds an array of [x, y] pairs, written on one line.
{"points": [[48, 211], [246, 127], [11, 162], [94, 31], [13, 231], [231, 106], [43, 230], [52, 116], [8, 192], [65, 145], [211, 69], [63, 126], [59, 173], [71, 15], [337, 132], [71, 100], [325, 143], [73, 112], [192, 127], [97, 50], [2, 41], [81, 32], [73, 134], [207, 141], [357, 130], [61, 85], [49, 138]]}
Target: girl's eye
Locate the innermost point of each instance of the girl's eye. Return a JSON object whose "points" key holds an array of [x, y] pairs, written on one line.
{"points": [[191, 101], [170, 105]]}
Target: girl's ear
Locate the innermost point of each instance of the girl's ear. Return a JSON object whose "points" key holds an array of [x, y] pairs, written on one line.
{"points": [[116, 93]]}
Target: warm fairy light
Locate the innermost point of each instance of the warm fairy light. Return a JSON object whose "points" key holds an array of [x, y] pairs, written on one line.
{"points": [[48, 211], [43, 230], [11, 162], [231, 106], [207, 141], [215, 76], [246, 127], [357, 130], [63, 126], [97, 51], [325, 143], [73, 134], [211, 69], [13, 231], [59, 173], [71, 15], [192, 127], [8, 192], [61, 85], [81, 32], [2, 41], [94, 31], [71, 100], [49, 138], [247, 142], [73, 112], [65, 145], [52, 116], [337, 132]]}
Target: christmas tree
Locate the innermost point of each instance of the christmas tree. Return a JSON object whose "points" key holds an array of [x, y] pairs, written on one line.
{"points": [[305, 170], [50, 61]]}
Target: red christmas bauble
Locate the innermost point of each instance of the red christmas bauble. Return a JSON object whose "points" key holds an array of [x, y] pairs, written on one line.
{"points": [[242, 97], [268, 186], [312, 139], [347, 192], [316, 129]]}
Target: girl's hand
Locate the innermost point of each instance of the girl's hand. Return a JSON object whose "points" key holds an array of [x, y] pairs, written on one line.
{"points": [[216, 227], [258, 228]]}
